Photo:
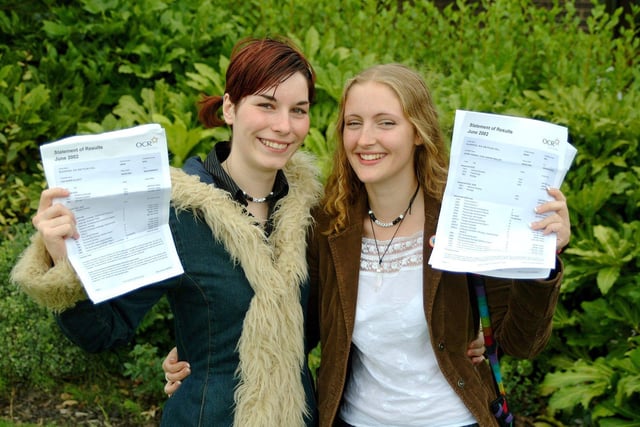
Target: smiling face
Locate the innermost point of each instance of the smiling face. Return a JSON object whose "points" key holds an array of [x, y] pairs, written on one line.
{"points": [[268, 127], [379, 140]]}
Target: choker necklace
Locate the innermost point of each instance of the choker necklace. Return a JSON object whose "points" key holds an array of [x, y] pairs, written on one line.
{"points": [[399, 219], [246, 196], [257, 199]]}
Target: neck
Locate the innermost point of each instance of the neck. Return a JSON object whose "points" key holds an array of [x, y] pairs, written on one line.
{"points": [[255, 183], [389, 203]]}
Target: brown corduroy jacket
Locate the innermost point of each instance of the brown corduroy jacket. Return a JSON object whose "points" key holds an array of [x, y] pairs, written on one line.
{"points": [[521, 313]]}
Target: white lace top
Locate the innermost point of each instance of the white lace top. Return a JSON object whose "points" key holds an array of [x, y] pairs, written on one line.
{"points": [[395, 379]]}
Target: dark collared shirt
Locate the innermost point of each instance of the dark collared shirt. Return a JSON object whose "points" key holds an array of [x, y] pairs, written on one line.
{"points": [[213, 164]]}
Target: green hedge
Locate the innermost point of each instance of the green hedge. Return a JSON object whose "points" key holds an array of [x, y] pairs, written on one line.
{"points": [[106, 64], [36, 356]]}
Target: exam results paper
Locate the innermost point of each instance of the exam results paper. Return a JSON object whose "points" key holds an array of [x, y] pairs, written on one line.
{"points": [[499, 170], [120, 193]]}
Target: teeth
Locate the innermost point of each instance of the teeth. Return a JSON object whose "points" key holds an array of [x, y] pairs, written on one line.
{"points": [[371, 156], [273, 144]]}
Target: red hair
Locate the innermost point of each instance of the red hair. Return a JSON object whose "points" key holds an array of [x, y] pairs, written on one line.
{"points": [[257, 65]]}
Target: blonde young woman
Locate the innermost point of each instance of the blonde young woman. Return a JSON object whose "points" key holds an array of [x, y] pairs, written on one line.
{"points": [[394, 331]]}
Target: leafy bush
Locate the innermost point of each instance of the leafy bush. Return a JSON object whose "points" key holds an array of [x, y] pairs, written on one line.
{"points": [[595, 351], [37, 356], [35, 352]]}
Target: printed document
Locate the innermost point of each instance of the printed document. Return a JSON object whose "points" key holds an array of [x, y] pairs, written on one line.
{"points": [[120, 192], [499, 170]]}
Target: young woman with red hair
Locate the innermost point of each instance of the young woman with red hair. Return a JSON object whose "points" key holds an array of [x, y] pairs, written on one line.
{"points": [[239, 220]]}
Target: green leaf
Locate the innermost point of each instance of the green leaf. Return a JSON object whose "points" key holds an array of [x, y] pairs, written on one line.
{"points": [[53, 29], [627, 387], [311, 42], [99, 6], [606, 278], [578, 385], [617, 422], [206, 80], [132, 112]]}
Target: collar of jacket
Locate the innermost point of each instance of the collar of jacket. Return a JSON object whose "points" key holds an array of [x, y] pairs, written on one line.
{"points": [[271, 347]]}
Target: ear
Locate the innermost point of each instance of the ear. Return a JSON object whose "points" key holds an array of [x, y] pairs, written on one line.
{"points": [[228, 109]]}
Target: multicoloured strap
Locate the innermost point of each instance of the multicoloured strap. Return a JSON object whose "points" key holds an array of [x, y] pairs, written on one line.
{"points": [[499, 407]]}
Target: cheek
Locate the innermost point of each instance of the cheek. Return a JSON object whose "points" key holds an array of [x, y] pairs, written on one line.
{"points": [[349, 140], [300, 128]]}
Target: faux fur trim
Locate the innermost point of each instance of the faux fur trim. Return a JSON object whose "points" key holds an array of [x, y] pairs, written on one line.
{"points": [[271, 347], [57, 288]]}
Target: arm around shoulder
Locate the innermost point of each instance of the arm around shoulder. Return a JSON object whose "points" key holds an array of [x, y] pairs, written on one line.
{"points": [[55, 287]]}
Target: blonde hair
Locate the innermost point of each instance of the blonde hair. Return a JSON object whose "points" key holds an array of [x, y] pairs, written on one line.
{"points": [[430, 158]]}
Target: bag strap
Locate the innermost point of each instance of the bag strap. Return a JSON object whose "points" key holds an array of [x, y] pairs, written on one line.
{"points": [[499, 406]]}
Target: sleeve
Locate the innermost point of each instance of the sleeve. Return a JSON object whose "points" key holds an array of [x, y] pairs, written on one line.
{"points": [[55, 287], [110, 324], [522, 312]]}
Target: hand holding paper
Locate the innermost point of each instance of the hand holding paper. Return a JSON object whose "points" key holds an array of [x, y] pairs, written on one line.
{"points": [[555, 218], [55, 222]]}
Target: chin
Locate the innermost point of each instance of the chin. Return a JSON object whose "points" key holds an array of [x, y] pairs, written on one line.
{"points": [[276, 164], [366, 176]]}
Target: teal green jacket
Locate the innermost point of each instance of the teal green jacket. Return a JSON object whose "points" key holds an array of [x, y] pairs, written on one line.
{"points": [[238, 308]]}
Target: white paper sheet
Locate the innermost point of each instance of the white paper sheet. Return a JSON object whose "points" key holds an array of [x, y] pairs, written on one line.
{"points": [[499, 170], [120, 193]]}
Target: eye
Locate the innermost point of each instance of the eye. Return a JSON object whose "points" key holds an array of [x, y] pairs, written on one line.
{"points": [[353, 123], [267, 106], [387, 123], [299, 110]]}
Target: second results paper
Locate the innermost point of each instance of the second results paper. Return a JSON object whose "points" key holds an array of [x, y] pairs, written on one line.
{"points": [[500, 169]]}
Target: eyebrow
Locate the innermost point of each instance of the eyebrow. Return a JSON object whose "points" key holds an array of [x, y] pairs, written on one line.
{"points": [[375, 116], [274, 99]]}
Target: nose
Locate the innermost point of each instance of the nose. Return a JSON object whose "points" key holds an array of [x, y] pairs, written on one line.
{"points": [[367, 137], [281, 123]]}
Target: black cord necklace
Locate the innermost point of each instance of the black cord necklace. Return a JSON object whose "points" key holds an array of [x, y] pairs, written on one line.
{"points": [[257, 199], [399, 218], [375, 240], [398, 221]]}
